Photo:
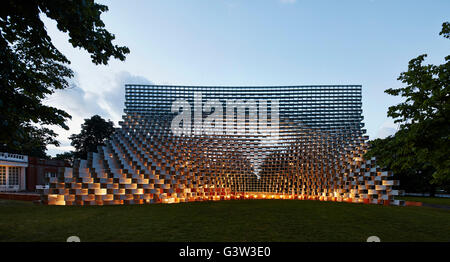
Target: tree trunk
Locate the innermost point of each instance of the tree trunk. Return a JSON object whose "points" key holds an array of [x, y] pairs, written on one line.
{"points": [[432, 190]]}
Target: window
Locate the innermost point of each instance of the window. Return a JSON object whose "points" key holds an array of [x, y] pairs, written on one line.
{"points": [[13, 176], [2, 175], [51, 174]]}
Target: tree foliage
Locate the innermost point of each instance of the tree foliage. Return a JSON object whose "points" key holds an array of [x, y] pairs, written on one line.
{"points": [[94, 132], [32, 68], [66, 156], [33, 141], [422, 144], [395, 153]]}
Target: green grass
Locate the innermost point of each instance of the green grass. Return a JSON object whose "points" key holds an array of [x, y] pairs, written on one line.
{"points": [[244, 220], [429, 200]]}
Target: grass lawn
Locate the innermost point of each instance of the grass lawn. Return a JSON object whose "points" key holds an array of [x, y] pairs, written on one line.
{"points": [[429, 200], [244, 220]]}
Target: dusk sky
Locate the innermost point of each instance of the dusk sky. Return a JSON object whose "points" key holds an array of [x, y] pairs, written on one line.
{"points": [[272, 42]]}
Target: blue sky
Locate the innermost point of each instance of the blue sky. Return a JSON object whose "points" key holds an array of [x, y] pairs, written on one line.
{"points": [[266, 42]]}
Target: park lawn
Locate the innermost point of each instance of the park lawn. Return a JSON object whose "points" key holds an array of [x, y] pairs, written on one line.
{"points": [[428, 200], [240, 220]]}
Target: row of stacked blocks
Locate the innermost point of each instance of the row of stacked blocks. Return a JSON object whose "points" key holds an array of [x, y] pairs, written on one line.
{"points": [[132, 170], [86, 187], [94, 191]]}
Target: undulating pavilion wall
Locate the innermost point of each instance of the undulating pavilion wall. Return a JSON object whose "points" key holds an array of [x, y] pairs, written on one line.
{"points": [[316, 152]]}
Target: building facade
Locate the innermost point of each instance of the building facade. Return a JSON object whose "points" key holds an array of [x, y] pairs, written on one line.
{"points": [[12, 172], [22, 173], [40, 170], [195, 143]]}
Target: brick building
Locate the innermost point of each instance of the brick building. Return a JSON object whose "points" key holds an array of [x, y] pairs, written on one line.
{"points": [[39, 170], [24, 173]]}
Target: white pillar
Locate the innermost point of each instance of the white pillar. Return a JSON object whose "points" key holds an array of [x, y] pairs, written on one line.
{"points": [[23, 180]]}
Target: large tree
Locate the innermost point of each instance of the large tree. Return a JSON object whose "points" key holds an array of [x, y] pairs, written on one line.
{"points": [[421, 147], [33, 141], [31, 68], [94, 132]]}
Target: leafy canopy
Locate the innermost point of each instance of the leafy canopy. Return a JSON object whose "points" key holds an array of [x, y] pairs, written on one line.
{"points": [[94, 132], [66, 156], [422, 144], [31, 68]]}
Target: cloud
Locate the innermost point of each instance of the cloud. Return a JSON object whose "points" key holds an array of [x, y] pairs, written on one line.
{"points": [[76, 101], [386, 129], [108, 101], [113, 100]]}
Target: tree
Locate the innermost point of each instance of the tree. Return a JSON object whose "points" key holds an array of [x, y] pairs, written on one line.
{"points": [[66, 156], [33, 141], [394, 153], [422, 144], [94, 132], [31, 68]]}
